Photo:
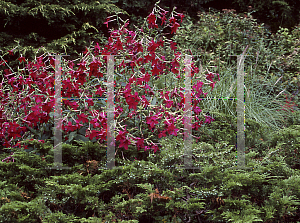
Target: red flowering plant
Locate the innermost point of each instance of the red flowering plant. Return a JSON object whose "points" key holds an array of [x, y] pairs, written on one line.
{"points": [[37, 100]]}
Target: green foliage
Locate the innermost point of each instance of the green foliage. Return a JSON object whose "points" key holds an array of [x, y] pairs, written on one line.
{"points": [[288, 141], [60, 27], [156, 187], [278, 13], [274, 13], [270, 69]]}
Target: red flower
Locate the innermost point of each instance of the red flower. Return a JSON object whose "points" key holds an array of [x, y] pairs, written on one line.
{"points": [[107, 21], [100, 91], [152, 121], [155, 71], [163, 20], [168, 103], [83, 118], [174, 27], [11, 52], [86, 51], [133, 100], [152, 47], [118, 45], [151, 21], [197, 125], [94, 68], [21, 59], [3, 62], [124, 142], [94, 133], [181, 16], [140, 143], [173, 45], [162, 134], [70, 127], [161, 43], [155, 148], [70, 64], [172, 20], [138, 47], [208, 119]]}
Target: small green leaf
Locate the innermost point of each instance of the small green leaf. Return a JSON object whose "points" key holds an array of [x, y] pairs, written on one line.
{"points": [[82, 130], [71, 136], [81, 137], [153, 101]]}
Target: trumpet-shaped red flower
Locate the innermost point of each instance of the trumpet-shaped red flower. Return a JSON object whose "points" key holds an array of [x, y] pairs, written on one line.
{"points": [[94, 69], [124, 142], [174, 27], [163, 19], [140, 143], [107, 21], [152, 21], [21, 59], [118, 45], [11, 52], [181, 16], [152, 121]]}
